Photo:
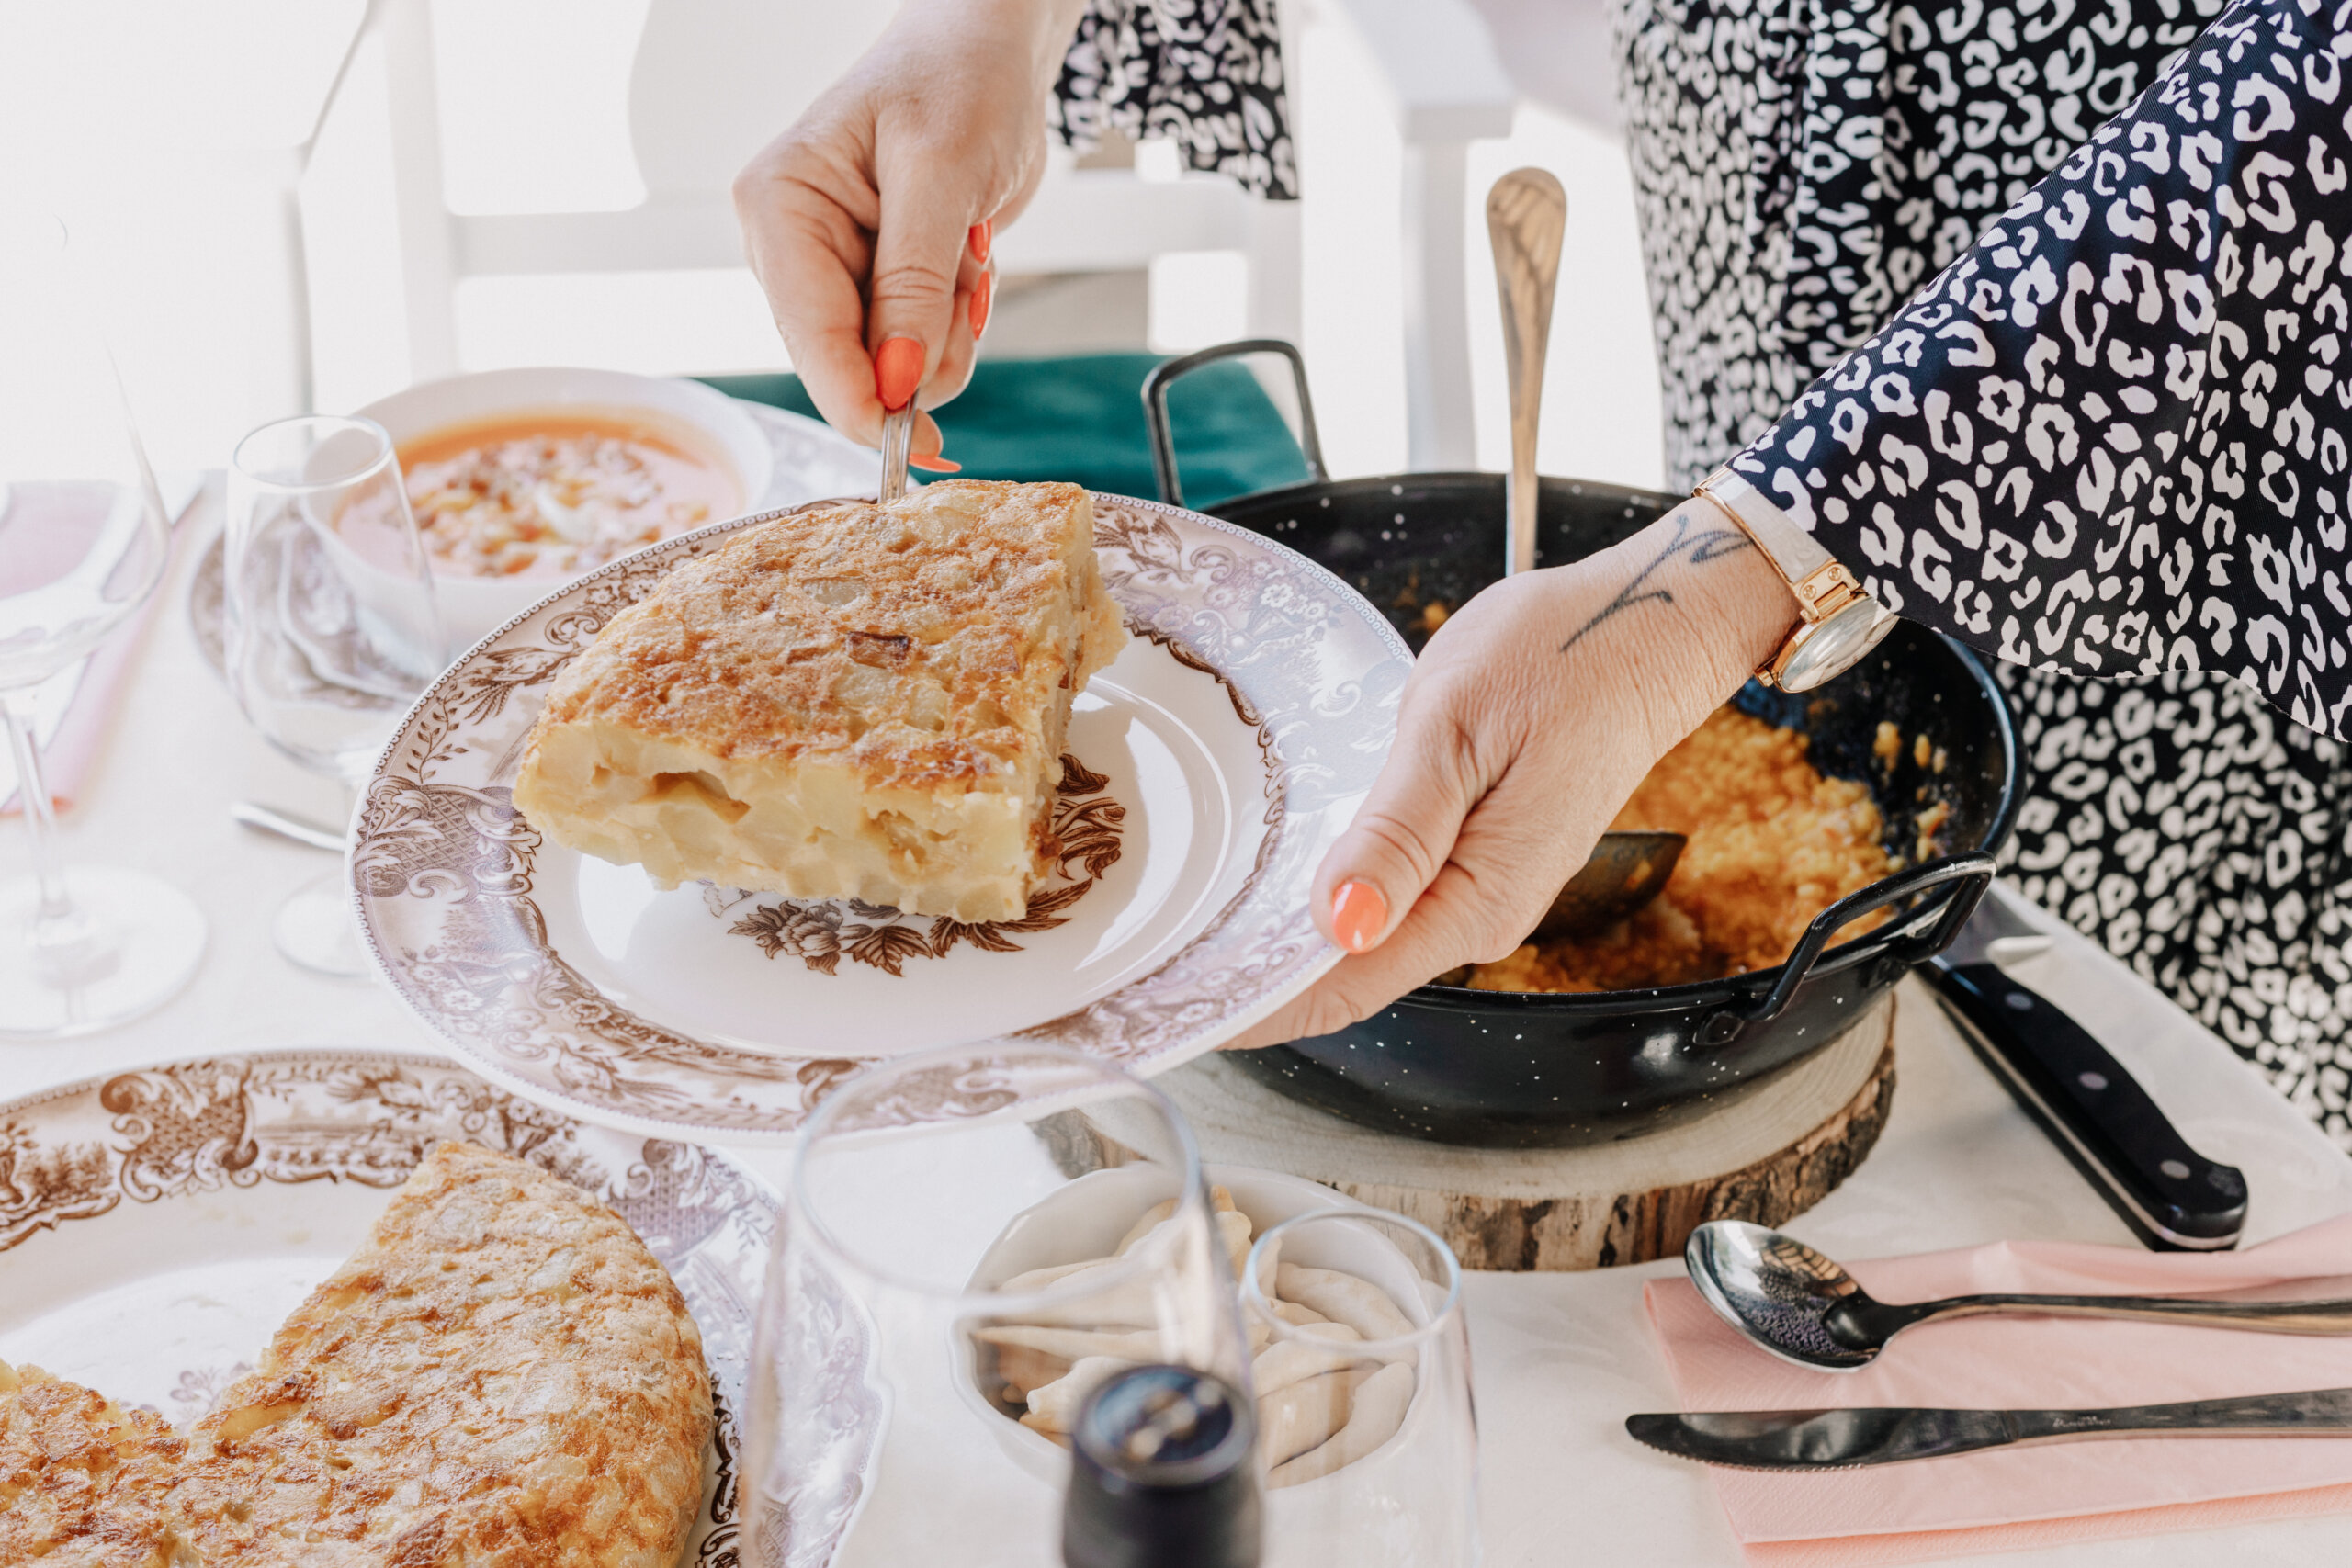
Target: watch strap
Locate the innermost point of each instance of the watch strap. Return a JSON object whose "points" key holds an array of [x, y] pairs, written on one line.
{"points": [[1790, 548], [1821, 583]]}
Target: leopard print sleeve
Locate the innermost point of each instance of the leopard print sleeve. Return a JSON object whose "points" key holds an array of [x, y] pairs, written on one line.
{"points": [[1207, 74], [2110, 438]]}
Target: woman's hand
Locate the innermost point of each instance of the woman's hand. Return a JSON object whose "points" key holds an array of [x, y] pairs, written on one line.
{"points": [[873, 217], [1529, 720]]}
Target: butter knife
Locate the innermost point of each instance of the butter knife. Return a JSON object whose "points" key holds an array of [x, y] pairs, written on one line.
{"points": [[1846, 1440]]}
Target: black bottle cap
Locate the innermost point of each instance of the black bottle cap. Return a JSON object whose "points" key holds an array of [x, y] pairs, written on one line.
{"points": [[1163, 1474]]}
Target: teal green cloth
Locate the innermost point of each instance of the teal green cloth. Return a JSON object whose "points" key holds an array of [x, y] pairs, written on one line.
{"points": [[1079, 418]]}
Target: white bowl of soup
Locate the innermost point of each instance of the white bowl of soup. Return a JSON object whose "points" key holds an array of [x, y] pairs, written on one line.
{"points": [[521, 480]]}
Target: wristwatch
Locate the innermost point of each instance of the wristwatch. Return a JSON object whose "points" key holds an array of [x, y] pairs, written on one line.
{"points": [[1836, 622]]}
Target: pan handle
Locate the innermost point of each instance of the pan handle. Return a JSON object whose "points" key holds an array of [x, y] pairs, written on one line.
{"points": [[1154, 409], [1972, 871]]}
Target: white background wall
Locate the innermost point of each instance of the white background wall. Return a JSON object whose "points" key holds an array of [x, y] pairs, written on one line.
{"points": [[147, 124]]}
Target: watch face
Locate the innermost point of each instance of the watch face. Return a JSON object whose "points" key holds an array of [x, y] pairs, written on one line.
{"points": [[1819, 654]]}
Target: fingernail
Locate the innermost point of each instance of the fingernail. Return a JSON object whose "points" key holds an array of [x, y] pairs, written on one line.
{"points": [[935, 465], [982, 236], [1359, 916], [983, 295], [898, 371]]}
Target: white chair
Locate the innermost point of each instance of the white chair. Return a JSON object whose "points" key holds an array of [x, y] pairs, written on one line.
{"points": [[714, 80], [97, 98], [1447, 89]]}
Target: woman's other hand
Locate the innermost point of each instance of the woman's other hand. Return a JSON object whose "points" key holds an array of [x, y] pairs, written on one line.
{"points": [[873, 217], [1532, 715]]}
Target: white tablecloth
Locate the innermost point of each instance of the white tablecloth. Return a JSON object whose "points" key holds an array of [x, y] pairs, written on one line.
{"points": [[1560, 1359]]}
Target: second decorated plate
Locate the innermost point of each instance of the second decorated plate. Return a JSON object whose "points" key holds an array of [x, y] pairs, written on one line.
{"points": [[1206, 773]]}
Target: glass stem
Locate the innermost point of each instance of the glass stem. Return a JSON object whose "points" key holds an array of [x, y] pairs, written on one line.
{"points": [[69, 947], [32, 797]]}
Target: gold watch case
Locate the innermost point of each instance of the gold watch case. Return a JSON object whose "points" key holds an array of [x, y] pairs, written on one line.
{"points": [[1838, 624]]}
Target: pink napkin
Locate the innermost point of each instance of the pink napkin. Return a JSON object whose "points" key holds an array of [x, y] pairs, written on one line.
{"points": [[2040, 1495]]}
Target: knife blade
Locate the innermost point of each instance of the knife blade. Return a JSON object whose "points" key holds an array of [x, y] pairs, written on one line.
{"points": [[2174, 1197], [1848, 1440]]}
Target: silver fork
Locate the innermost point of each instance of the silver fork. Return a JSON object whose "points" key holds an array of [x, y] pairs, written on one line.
{"points": [[898, 442]]}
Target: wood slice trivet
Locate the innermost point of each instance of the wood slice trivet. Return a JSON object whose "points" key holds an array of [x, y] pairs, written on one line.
{"points": [[1768, 1152]]}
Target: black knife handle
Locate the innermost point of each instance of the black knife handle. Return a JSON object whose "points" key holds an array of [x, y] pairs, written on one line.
{"points": [[2172, 1197]]}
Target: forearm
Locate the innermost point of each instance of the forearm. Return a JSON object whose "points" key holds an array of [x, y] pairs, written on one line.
{"points": [[1676, 618], [1530, 719], [1037, 31]]}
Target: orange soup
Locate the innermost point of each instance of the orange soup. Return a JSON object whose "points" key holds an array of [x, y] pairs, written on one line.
{"points": [[546, 494]]}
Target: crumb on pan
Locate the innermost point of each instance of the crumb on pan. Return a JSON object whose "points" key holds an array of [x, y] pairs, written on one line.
{"points": [[1888, 746]]}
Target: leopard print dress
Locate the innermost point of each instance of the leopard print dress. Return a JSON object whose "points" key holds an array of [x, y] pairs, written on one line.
{"points": [[1207, 74], [2103, 433], [2032, 310]]}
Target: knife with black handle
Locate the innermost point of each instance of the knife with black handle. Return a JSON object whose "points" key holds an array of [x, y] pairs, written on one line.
{"points": [[1843, 1440], [2174, 1197]]}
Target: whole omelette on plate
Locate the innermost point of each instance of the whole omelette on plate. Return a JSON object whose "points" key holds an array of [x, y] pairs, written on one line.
{"points": [[502, 1375]]}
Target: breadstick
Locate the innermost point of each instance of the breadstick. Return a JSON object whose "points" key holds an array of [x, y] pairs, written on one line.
{"points": [[1379, 1409], [1233, 1229], [1040, 1426], [1343, 1298], [1056, 1404], [1022, 1369], [1038, 1279], [1072, 1344], [1295, 1361], [1268, 1266], [1293, 1419], [1100, 1297], [1145, 1226], [1294, 1314]]}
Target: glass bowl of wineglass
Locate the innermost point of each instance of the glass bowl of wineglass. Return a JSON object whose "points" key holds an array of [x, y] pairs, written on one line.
{"points": [[83, 543], [332, 626], [907, 1271]]}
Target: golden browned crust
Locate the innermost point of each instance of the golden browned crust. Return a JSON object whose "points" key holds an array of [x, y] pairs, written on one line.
{"points": [[82, 1482], [924, 640], [851, 700], [501, 1377]]}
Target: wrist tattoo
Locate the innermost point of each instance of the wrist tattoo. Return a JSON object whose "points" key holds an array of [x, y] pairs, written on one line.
{"points": [[1699, 544]]}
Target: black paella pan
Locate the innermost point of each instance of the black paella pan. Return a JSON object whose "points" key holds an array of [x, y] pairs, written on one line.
{"points": [[1511, 1069]]}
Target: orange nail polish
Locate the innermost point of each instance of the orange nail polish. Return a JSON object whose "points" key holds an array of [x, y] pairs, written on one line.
{"points": [[982, 236], [898, 371], [1359, 916], [983, 296], [935, 465]]}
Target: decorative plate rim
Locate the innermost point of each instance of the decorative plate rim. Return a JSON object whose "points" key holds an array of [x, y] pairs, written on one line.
{"points": [[666, 1113], [193, 1172]]}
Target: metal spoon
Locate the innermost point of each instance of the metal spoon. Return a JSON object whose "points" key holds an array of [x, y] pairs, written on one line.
{"points": [[1627, 871], [1527, 213], [1804, 1308]]}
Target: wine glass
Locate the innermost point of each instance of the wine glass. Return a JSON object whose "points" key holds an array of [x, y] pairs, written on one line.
{"points": [[919, 1301], [1395, 1483], [83, 543], [331, 627]]}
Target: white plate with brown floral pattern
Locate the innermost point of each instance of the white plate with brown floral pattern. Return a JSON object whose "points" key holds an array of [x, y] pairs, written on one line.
{"points": [[1207, 770], [156, 1226]]}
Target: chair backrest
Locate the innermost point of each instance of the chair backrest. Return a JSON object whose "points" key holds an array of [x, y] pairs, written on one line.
{"points": [[712, 81]]}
